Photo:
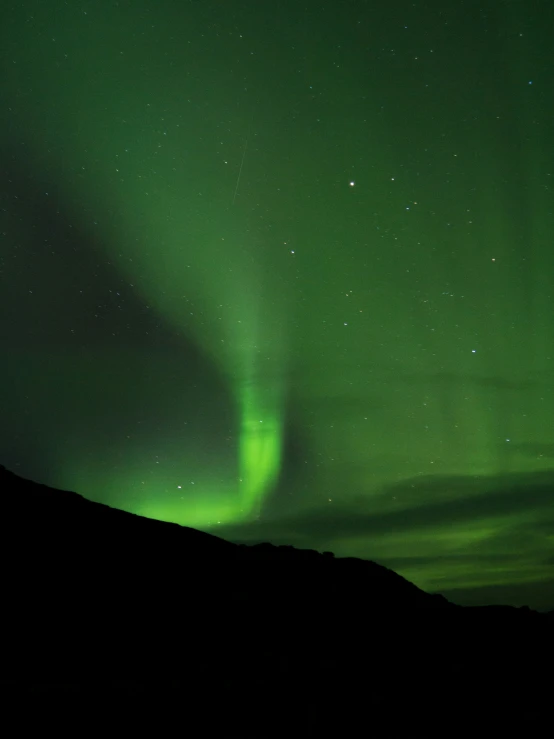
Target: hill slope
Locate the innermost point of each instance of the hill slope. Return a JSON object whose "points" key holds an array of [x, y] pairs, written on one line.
{"points": [[96, 596]]}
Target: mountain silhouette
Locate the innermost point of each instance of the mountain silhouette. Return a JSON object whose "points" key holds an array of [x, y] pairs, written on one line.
{"points": [[285, 641]]}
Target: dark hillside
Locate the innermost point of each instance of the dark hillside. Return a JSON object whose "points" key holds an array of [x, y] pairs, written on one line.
{"points": [[100, 603]]}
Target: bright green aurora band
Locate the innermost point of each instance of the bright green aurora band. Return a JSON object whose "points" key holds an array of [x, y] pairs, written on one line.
{"points": [[284, 271], [244, 342]]}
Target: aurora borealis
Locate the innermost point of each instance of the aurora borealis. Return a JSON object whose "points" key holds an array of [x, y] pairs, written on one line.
{"points": [[284, 271]]}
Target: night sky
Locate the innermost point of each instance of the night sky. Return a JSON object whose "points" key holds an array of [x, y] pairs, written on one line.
{"points": [[284, 271]]}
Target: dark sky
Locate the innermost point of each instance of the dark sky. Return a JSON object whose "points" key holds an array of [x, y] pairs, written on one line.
{"points": [[285, 271]]}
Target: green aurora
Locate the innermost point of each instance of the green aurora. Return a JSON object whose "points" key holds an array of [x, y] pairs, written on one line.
{"points": [[284, 272]]}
